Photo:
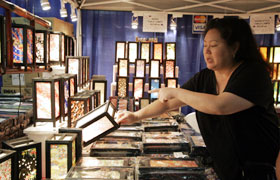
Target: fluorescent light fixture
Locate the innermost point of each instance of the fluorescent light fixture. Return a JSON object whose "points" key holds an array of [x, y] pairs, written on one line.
{"points": [[134, 23], [73, 14], [63, 11], [173, 25], [45, 5]]}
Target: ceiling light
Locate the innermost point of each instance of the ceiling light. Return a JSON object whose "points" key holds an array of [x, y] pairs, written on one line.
{"points": [[63, 11], [173, 24], [45, 5], [73, 14], [134, 23]]}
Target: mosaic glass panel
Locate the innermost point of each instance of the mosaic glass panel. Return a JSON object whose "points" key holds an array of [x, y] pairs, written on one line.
{"points": [[154, 69], [56, 99], [154, 85], [66, 96], [73, 67], [101, 87], [171, 83], [169, 69], [54, 47], [43, 100], [77, 110], [170, 51], [28, 164], [120, 51], [158, 51], [140, 68], [17, 35], [263, 51], [138, 88], [123, 69], [58, 161], [132, 52], [6, 170], [29, 46], [277, 54], [145, 52], [39, 42], [122, 87], [72, 86]]}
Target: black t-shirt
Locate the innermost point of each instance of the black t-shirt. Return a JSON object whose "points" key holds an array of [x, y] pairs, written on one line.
{"points": [[248, 136]]}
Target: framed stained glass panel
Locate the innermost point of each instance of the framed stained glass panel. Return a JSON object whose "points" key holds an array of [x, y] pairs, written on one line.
{"points": [[123, 67], [57, 49], [40, 47], [171, 82], [30, 42], [43, 98], [143, 102], [264, 52], [169, 69], [140, 68], [132, 51], [145, 49], [7, 164], [154, 83], [75, 65], [18, 45], [138, 87], [158, 51], [170, 51], [120, 50], [276, 58], [100, 85], [122, 86], [154, 68]]}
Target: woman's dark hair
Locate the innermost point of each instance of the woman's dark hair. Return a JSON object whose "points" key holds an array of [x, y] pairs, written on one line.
{"points": [[234, 30]]}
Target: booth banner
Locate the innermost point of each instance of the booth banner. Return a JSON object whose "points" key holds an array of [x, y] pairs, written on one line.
{"points": [[198, 24], [155, 22], [262, 24]]}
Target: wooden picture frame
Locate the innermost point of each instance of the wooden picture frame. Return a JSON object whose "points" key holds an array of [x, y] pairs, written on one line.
{"points": [[140, 68], [171, 82], [170, 51], [120, 50], [158, 51], [122, 86], [138, 87], [132, 53], [169, 68], [154, 83], [123, 67], [154, 68]]}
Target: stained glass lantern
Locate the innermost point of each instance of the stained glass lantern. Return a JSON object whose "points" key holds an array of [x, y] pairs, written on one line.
{"points": [[28, 155], [69, 46], [170, 51], [122, 86], [57, 48], [140, 68], [79, 139], [169, 69], [154, 83], [2, 42], [123, 67], [274, 54], [46, 99], [132, 51], [78, 106], [68, 88], [143, 102], [264, 52], [120, 50], [7, 164], [100, 85], [145, 49], [154, 68], [171, 82], [138, 87], [42, 48], [98, 123], [60, 154], [23, 45], [158, 51], [78, 65], [94, 96]]}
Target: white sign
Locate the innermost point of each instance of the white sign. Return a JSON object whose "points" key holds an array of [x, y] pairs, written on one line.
{"points": [[262, 24], [15, 79], [155, 22]]}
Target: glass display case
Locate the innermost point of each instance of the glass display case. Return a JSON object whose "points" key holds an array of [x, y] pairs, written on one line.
{"points": [[123, 67], [122, 86], [97, 123], [132, 51], [170, 51], [155, 68], [140, 68], [171, 82], [57, 48], [138, 87], [23, 45], [158, 51], [169, 69], [28, 155], [46, 99], [120, 50], [60, 154], [145, 49], [8, 164], [42, 48], [100, 85]]}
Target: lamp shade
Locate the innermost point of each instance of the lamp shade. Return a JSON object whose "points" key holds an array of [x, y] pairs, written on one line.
{"points": [[7, 164]]}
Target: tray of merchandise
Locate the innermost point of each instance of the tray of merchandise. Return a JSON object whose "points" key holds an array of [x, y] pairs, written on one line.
{"points": [[158, 125], [197, 146], [126, 135], [88, 161]]}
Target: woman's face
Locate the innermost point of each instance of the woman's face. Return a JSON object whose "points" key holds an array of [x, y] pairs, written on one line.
{"points": [[217, 54]]}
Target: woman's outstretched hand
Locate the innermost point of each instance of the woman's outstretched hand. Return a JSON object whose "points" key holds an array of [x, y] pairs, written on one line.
{"points": [[126, 117], [164, 94]]}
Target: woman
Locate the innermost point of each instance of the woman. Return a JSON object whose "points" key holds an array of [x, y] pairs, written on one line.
{"points": [[233, 98]]}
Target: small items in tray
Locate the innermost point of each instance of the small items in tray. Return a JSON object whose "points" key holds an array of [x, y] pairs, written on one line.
{"points": [[159, 125], [107, 161]]}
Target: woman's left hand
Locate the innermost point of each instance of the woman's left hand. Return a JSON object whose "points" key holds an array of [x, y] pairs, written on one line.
{"points": [[164, 94]]}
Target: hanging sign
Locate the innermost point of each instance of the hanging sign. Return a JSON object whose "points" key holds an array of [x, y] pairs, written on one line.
{"points": [[198, 24], [262, 24], [155, 22]]}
